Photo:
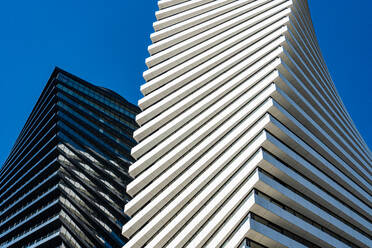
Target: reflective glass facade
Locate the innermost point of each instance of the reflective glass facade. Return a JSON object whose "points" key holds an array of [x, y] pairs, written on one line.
{"points": [[63, 184]]}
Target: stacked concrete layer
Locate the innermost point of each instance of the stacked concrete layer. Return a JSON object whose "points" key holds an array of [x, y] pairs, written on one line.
{"points": [[244, 140]]}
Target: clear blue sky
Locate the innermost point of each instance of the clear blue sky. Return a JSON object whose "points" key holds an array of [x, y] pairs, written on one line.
{"points": [[105, 43]]}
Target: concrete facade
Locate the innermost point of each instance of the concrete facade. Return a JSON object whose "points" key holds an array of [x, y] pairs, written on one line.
{"points": [[243, 139]]}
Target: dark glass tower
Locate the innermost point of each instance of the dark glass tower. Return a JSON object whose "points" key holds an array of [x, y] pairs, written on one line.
{"points": [[64, 181]]}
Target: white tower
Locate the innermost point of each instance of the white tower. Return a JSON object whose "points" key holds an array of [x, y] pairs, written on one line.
{"points": [[244, 141]]}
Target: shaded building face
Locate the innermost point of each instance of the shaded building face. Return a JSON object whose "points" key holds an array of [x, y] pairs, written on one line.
{"points": [[64, 181]]}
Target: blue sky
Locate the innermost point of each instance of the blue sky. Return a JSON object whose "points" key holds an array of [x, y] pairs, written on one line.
{"points": [[105, 43]]}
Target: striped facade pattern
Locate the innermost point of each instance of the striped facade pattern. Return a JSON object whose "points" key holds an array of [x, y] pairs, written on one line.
{"points": [[243, 138], [63, 184]]}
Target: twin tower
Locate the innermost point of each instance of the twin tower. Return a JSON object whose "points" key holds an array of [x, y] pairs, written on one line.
{"points": [[242, 141]]}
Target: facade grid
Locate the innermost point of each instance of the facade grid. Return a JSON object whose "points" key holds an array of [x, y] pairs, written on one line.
{"points": [[63, 184]]}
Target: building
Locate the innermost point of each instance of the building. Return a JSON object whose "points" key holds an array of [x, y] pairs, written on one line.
{"points": [[63, 184], [243, 138]]}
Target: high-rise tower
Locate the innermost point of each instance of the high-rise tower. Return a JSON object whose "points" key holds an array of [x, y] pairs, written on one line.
{"points": [[63, 184], [243, 138]]}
